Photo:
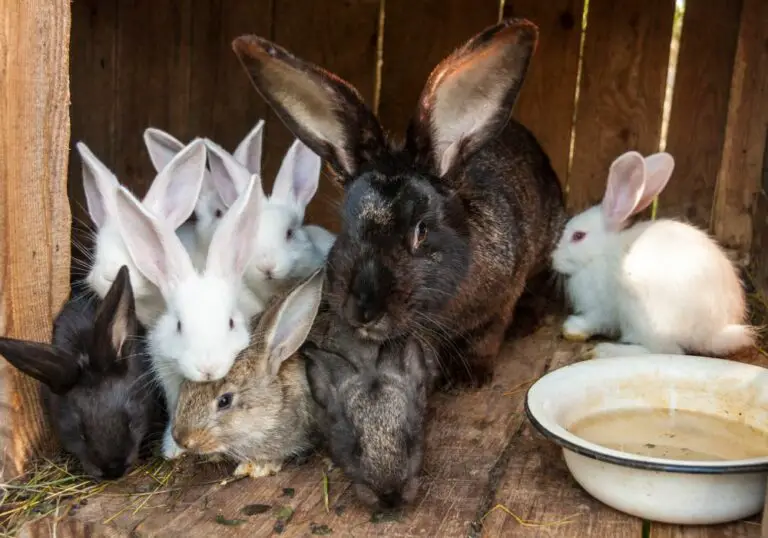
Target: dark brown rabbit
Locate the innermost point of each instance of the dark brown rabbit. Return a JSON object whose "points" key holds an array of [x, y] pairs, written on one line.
{"points": [[439, 234]]}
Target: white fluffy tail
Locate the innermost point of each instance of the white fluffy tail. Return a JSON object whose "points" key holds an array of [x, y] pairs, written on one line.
{"points": [[732, 338]]}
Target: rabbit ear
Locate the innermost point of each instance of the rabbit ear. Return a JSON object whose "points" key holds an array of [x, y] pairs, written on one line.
{"points": [[325, 112], [248, 152], [658, 169], [287, 325], [469, 96], [174, 193], [624, 190], [233, 242], [115, 322], [299, 173], [152, 244], [49, 365], [230, 176], [99, 184], [162, 147]]}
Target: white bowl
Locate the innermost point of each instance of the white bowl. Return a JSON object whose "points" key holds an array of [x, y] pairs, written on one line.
{"points": [[666, 490]]}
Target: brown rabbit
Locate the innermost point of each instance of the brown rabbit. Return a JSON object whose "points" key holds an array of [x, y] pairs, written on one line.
{"points": [[260, 414], [439, 234]]}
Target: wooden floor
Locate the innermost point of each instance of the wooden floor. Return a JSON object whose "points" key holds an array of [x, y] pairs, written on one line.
{"points": [[482, 453]]}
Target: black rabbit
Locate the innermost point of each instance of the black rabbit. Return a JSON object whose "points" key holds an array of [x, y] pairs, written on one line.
{"points": [[439, 234], [96, 383]]}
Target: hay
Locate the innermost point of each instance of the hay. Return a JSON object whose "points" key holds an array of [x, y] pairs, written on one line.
{"points": [[533, 524]]}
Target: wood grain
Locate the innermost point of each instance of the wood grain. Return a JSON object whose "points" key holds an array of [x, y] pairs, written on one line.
{"points": [[700, 107], [740, 529], [738, 180], [34, 214], [341, 36], [417, 36], [624, 70], [759, 255], [547, 99]]}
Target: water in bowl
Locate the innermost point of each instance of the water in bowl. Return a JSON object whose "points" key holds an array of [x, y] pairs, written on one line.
{"points": [[673, 434]]}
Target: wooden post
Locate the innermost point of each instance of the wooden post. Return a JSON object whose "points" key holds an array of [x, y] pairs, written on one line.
{"points": [[34, 211]]}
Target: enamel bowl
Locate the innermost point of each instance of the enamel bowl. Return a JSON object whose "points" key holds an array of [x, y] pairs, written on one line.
{"points": [[658, 486]]}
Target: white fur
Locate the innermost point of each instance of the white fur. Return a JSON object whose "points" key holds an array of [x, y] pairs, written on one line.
{"points": [[210, 208], [213, 309], [171, 197], [277, 256], [661, 286]]}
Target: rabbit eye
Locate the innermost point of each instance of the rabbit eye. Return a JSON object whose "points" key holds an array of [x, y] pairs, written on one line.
{"points": [[578, 236], [289, 234], [224, 401], [231, 323], [218, 213], [178, 326], [419, 235]]}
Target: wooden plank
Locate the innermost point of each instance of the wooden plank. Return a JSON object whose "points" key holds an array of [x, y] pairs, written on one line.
{"points": [[34, 214], [624, 70], [547, 99], [759, 256], [410, 53], [340, 36], [700, 107], [739, 529], [745, 133], [93, 70]]}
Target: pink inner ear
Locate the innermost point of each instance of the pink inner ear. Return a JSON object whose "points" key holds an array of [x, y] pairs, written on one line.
{"points": [[626, 181]]}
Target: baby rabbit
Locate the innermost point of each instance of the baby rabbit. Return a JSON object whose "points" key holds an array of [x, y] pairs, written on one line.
{"points": [[284, 248], [372, 405], [260, 413], [206, 322], [171, 197], [439, 235], [210, 208], [663, 286], [97, 386]]}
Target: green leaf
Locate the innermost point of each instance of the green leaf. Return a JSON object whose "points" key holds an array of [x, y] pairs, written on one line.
{"points": [[255, 509], [221, 520]]}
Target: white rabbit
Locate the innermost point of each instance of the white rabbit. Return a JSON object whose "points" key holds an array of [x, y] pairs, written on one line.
{"points": [[210, 208], [171, 198], [284, 248], [207, 319], [660, 286]]}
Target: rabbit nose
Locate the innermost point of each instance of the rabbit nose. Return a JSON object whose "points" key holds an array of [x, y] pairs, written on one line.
{"points": [[361, 311], [391, 499], [114, 470]]}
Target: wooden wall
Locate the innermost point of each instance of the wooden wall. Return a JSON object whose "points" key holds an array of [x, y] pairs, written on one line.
{"points": [[34, 213], [594, 90]]}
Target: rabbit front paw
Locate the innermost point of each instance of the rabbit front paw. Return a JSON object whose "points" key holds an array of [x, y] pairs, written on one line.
{"points": [[257, 469], [170, 450], [577, 329]]}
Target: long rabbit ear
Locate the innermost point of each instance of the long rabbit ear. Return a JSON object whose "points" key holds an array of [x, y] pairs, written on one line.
{"points": [[162, 147], [49, 365], [287, 325], [324, 111], [299, 174], [248, 152], [232, 245], [230, 177], [626, 181], [115, 322], [99, 184], [152, 244], [469, 96], [174, 193], [658, 169]]}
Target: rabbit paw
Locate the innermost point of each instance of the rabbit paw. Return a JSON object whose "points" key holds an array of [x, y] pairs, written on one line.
{"points": [[170, 449], [576, 329], [258, 469], [328, 463]]}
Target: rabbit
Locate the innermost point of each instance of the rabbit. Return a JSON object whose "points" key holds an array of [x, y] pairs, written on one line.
{"points": [[660, 286], [371, 409], [260, 413], [439, 234], [206, 322], [285, 249], [97, 386], [171, 197], [210, 208]]}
